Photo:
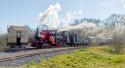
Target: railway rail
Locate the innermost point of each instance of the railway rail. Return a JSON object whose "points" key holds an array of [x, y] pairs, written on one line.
{"points": [[23, 54]]}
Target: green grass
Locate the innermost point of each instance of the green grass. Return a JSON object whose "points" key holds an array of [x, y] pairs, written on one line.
{"points": [[96, 57]]}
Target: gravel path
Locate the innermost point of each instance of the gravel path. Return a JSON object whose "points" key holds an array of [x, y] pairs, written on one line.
{"points": [[25, 60]]}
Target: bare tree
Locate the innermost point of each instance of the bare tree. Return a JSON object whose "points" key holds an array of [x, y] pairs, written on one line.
{"points": [[3, 41], [118, 42]]}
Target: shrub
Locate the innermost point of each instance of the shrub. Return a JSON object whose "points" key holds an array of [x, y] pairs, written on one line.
{"points": [[117, 45], [3, 41]]}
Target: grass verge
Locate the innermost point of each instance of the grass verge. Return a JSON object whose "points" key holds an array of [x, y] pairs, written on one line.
{"points": [[95, 57]]}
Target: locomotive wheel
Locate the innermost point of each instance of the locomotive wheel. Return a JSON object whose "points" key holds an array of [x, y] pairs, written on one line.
{"points": [[56, 45], [32, 44], [38, 47], [63, 44], [53, 45]]}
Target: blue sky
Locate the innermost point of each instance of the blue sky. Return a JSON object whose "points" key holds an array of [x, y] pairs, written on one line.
{"points": [[25, 12]]}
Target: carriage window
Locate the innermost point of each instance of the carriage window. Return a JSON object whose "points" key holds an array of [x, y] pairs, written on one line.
{"points": [[53, 33], [19, 34]]}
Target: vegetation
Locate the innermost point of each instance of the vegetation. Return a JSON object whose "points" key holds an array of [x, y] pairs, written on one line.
{"points": [[3, 41], [117, 44], [96, 57]]}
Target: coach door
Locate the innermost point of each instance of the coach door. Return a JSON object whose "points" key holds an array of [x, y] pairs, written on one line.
{"points": [[18, 38]]}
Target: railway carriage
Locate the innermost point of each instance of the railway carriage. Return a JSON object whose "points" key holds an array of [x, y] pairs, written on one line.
{"points": [[15, 32], [77, 37], [72, 37]]}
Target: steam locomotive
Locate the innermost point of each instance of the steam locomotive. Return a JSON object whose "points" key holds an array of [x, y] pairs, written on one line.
{"points": [[54, 38]]}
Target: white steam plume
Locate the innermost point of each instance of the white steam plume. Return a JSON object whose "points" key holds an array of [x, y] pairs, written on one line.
{"points": [[52, 20], [50, 17], [69, 17]]}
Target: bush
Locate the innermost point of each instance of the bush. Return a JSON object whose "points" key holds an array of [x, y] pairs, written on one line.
{"points": [[3, 41], [117, 45]]}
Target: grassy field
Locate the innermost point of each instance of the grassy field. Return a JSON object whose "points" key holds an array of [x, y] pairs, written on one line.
{"points": [[96, 57]]}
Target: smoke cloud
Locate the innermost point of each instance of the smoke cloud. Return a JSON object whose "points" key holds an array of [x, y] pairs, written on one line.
{"points": [[53, 20], [50, 17]]}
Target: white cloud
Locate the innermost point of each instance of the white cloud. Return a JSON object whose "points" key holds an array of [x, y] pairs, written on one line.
{"points": [[124, 6], [106, 5], [122, 1]]}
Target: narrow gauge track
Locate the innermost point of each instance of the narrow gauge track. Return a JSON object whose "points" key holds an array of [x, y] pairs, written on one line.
{"points": [[37, 52]]}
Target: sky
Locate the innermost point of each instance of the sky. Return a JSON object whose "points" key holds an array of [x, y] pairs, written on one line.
{"points": [[26, 12]]}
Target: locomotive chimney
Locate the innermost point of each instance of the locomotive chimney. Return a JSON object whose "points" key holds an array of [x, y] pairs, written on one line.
{"points": [[36, 35]]}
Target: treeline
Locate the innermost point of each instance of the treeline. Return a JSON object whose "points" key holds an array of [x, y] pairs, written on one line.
{"points": [[3, 41]]}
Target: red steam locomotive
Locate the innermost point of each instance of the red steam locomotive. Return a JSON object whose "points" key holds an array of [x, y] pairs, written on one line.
{"points": [[45, 39], [52, 38]]}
